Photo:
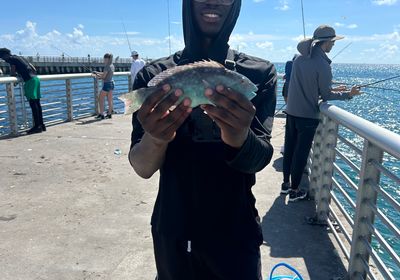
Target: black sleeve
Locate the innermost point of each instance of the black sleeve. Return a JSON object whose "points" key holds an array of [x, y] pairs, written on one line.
{"points": [[256, 152], [141, 81]]}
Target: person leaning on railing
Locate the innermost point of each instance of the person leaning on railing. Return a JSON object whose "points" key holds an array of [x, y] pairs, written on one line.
{"points": [[311, 80], [27, 72]]}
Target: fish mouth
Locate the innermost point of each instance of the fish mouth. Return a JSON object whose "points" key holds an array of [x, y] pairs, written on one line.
{"points": [[211, 16]]}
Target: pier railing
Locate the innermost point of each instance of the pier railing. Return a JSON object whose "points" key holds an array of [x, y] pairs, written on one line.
{"points": [[351, 171], [65, 97]]}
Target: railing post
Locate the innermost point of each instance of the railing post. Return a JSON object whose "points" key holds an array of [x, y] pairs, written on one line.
{"points": [[364, 215], [70, 109], [12, 109], [130, 83], [327, 159], [315, 165], [96, 95]]}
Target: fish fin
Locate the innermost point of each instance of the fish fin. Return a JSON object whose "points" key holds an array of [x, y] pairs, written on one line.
{"points": [[133, 100], [169, 72]]}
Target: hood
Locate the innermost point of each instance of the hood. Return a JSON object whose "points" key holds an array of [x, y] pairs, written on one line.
{"points": [[192, 37], [304, 47]]}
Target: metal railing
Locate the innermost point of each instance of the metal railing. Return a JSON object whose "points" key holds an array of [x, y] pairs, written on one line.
{"points": [[69, 59], [349, 177], [65, 97]]}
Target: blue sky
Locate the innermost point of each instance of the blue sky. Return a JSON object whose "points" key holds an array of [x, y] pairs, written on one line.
{"points": [[266, 28]]}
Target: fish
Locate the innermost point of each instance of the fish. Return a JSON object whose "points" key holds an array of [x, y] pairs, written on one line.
{"points": [[193, 79]]}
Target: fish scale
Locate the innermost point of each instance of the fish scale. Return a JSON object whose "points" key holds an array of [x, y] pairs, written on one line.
{"points": [[193, 79]]}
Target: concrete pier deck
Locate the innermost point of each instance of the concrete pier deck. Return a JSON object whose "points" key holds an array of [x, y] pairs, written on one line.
{"points": [[70, 208]]}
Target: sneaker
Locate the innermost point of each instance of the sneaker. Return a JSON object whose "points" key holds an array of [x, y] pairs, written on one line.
{"points": [[99, 117], [297, 195], [108, 116], [285, 188], [35, 130]]}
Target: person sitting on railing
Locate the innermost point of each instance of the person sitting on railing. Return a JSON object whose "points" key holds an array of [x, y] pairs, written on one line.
{"points": [[108, 86], [27, 71], [311, 80]]}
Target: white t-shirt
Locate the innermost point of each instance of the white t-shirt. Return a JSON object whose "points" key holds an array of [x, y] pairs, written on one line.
{"points": [[136, 66]]}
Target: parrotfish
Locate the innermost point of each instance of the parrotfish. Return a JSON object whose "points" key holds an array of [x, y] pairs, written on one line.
{"points": [[193, 79]]}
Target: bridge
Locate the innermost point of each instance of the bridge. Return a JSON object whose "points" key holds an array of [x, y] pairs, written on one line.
{"points": [[72, 208]]}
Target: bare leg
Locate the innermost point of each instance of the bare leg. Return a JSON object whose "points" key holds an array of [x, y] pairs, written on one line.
{"points": [[110, 102], [101, 101]]}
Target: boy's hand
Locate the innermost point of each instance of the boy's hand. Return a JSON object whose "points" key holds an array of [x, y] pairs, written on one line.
{"points": [[157, 120], [233, 114]]}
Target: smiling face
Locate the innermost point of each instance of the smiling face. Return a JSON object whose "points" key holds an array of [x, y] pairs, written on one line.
{"points": [[210, 16]]}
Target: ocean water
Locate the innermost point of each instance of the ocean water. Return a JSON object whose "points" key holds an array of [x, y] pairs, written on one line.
{"points": [[379, 104]]}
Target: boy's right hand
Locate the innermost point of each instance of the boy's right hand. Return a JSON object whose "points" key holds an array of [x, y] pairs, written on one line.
{"points": [[355, 90], [157, 120]]}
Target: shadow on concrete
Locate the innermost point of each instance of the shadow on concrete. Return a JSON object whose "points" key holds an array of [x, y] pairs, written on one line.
{"points": [[278, 164], [87, 122], [289, 236]]}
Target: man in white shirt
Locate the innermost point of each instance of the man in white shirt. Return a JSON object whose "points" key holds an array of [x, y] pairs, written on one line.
{"points": [[137, 65]]}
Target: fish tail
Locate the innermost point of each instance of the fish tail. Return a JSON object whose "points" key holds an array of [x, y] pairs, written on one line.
{"points": [[133, 100]]}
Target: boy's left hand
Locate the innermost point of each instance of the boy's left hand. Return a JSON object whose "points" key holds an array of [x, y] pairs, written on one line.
{"points": [[233, 114]]}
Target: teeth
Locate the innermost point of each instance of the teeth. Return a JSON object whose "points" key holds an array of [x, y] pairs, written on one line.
{"points": [[211, 15]]}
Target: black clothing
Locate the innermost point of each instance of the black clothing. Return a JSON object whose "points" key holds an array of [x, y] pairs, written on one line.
{"points": [[216, 262], [22, 67], [36, 113], [298, 140], [205, 186]]}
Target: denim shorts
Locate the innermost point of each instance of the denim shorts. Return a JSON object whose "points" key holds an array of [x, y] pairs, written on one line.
{"points": [[108, 86]]}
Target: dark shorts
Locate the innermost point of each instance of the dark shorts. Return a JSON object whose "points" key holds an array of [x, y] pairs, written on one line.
{"points": [[108, 86]]}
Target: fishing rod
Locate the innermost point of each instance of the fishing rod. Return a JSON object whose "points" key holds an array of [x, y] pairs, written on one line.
{"points": [[126, 34], [381, 88], [378, 82], [169, 27], [304, 23], [279, 110], [342, 50]]}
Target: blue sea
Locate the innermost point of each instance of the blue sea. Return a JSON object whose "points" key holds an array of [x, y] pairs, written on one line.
{"points": [[380, 105]]}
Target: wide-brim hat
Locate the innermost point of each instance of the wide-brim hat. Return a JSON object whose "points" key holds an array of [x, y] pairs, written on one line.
{"points": [[325, 33]]}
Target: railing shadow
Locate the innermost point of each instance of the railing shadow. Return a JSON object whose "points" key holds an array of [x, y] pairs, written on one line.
{"points": [[288, 235]]}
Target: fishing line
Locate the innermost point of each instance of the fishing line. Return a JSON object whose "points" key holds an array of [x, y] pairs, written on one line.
{"points": [[342, 50], [380, 97], [81, 64], [126, 34]]}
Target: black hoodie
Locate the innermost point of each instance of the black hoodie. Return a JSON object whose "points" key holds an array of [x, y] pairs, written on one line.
{"points": [[205, 186]]}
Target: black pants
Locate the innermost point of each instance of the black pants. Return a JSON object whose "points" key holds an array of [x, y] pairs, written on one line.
{"points": [[228, 261], [36, 112], [298, 140]]}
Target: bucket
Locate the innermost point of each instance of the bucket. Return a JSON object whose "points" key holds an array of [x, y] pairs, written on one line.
{"points": [[296, 275]]}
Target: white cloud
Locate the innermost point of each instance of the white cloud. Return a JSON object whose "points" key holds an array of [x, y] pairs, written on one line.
{"points": [[352, 26], [265, 45], [283, 5], [29, 41], [258, 1], [384, 2], [349, 26]]}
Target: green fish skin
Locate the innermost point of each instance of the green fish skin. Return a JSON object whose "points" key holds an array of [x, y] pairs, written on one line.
{"points": [[193, 79]]}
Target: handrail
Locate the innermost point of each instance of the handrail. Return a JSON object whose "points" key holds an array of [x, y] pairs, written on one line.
{"points": [[379, 136], [328, 179], [5, 80]]}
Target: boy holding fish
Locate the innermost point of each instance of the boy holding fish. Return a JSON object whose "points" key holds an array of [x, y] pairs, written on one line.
{"points": [[205, 224]]}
